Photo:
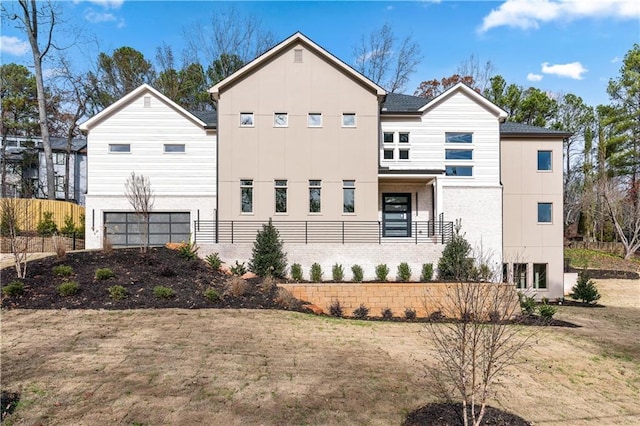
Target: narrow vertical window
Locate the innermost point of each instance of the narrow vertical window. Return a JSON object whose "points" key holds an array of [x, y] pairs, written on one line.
{"points": [[540, 275], [246, 195], [315, 187], [348, 196], [520, 275], [281, 196], [505, 272], [544, 160]]}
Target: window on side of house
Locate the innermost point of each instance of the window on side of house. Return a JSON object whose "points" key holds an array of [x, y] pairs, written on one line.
{"points": [[246, 195], [348, 196], [388, 154], [59, 183], [544, 161], [119, 147], [458, 137], [280, 119], [314, 119], [246, 119], [59, 158], [462, 171], [520, 275], [348, 119], [387, 137], [315, 188], [171, 148], [505, 272], [458, 154], [281, 195], [403, 154], [403, 137], [545, 211], [540, 275]]}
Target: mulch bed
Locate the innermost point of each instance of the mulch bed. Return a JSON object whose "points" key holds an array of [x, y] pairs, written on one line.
{"points": [[450, 414], [606, 274]]}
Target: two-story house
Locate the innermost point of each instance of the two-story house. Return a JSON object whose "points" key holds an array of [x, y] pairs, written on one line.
{"points": [[348, 173]]}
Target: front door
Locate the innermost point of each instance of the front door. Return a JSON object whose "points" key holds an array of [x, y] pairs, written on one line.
{"points": [[396, 215]]}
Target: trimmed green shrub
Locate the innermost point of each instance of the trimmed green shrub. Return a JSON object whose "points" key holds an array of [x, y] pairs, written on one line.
{"points": [[527, 304], [427, 272], [62, 270], [212, 294], [382, 271], [337, 272], [104, 274], [410, 314], [335, 309], [69, 228], [358, 273], [316, 273], [239, 269], [117, 292], [47, 227], [163, 292], [68, 288], [455, 263], [547, 311], [404, 272], [361, 312], [14, 288], [213, 260], [296, 272], [267, 257], [585, 289], [189, 251]]}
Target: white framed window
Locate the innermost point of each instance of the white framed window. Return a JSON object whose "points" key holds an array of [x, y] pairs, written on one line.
{"points": [[348, 196], [396, 145], [280, 119], [348, 119], [59, 183], [545, 212], [314, 119], [520, 275], [458, 154], [315, 196], [246, 195], [119, 148], [540, 276], [458, 137], [170, 148], [403, 154], [246, 119], [281, 195], [387, 154], [403, 137], [459, 171], [387, 137], [545, 161], [59, 158]]}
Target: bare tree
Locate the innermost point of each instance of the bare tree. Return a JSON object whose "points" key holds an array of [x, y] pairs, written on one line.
{"points": [[481, 73], [624, 211], [14, 214], [385, 60], [140, 196]]}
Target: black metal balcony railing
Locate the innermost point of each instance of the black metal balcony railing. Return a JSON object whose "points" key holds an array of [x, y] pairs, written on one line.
{"points": [[314, 232]]}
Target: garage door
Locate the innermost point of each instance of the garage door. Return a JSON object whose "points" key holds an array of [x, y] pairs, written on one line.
{"points": [[123, 230]]}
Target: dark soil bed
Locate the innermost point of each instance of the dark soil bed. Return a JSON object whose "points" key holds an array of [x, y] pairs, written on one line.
{"points": [[606, 274], [450, 414]]}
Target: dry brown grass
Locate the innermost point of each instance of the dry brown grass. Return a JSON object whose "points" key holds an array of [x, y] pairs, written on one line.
{"points": [[236, 367], [236, 286]]}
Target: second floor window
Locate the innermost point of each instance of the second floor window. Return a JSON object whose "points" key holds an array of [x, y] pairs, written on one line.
{"points": [[544, 160], [119, 147], [348, 120], [545, 212], [348, 196], [246, 119], [314, 119], [281, 196], [315, 188], [458, 137], [59, 158], [246, 195]]}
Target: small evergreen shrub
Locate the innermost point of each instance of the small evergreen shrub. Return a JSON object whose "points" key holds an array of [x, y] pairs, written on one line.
{"points": [[316, 273], [386, 313], [527, 304], [163, 292], [236, 286], [296, 272], [14, 288], [213, 260], [335, 309], [212, 294], [362, 312], [358, 273], [455, 263], [547, 311], [382, 271], [68, 288], [239, 269], [117, 292], [47, 227], [68, 228], [427, 272], [62, 270], [267, 257], [188, 251], [410, 314], [104, 274], [585, 289], [404, 272], [337, 272]]}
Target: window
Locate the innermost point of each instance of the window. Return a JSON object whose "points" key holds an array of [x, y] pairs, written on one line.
{"points": [[458, 154], [348, 196], [348, 119], [404, 154], [314, 196], [297, 55], [505, 272], [387, 137], [281, 196], [246, 195], [59, 158], [540, 275], [544, 212], [280, 119], [59, 183], [314, 119], [544, 160], [403, 137], [119, 147], [388, 154], [400, 148], [174, 147], [459, 171], [520, 275], [246, 119], [458, 137]]}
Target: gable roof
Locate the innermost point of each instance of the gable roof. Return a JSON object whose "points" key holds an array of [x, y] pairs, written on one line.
{"points": [[398, 103], [298, 37], [135, 94], [509, 128], [461, 87]]}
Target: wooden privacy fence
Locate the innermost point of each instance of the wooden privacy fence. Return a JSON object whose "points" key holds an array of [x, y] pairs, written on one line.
{"points": [[31, 212]]}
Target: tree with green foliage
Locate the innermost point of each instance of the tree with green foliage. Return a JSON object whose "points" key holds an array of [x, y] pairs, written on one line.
{"points": [[456, 263], [585, 289], [267, 257]]}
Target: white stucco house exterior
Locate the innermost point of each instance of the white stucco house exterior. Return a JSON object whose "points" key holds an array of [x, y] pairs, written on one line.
{"points": [[348, 173]]}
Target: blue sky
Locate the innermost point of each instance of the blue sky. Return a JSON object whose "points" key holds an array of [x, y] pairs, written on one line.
{"points": [[556, 45]]}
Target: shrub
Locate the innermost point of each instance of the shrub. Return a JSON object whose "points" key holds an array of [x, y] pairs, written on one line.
{"points": [[585, 289], [47, 227], [162, 292], [455, 263], [296, 272], [357, 272], [382, 271], [80, 228], [547, 311], [316, 273], [14, 288], [386, 313], [410, 314], [361, 312], [62, 270], [335, 309], [68, 288], [267, 257], [69, 228], [285, 299], [212, 294], [104, 274], [236, 286], [527, 304], [188, 251], [117, 292], [338, 272], [268, 283], [404, 272], [238, 269], [213, 260], [427, 272]]}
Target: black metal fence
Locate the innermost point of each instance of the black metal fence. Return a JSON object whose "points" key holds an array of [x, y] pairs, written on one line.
{"points": [[314, 232]]}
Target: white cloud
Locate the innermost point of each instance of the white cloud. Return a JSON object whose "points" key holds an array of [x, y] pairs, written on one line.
{"points": [[615, 60], [107, 4], [534, 77], [572, 70], [97, 17], [13, 46], [527, 14]]}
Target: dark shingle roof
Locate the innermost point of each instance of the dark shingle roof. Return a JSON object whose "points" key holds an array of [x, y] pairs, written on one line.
{"points": [[395, 102], [209, 117], [60, 144], [509, 127]]}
